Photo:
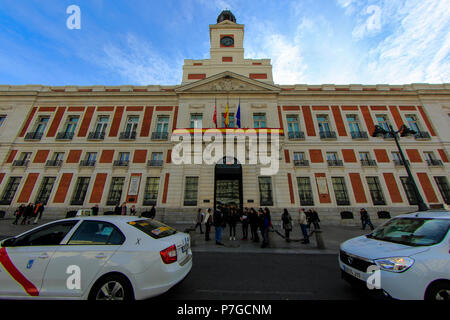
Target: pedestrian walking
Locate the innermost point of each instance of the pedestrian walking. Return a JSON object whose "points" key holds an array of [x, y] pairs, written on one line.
{"points": [[218, 222], [245, 222], [303, 225], [208, 222], [286, 220], [315, 219], [38, 210], [254, 223], [95, 210], [365, 219], [199, 220], [232, 221], [123, 209], [19, 213], [133, 210]]}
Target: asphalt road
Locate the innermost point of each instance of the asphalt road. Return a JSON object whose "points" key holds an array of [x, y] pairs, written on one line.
{"points": [[259, 276]]}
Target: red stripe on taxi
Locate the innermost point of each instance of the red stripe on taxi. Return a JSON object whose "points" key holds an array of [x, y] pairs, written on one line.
{"points": [[16, 274]]}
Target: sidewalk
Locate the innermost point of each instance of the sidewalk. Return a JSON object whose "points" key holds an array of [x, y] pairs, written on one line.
{"points": [[333, 236]]}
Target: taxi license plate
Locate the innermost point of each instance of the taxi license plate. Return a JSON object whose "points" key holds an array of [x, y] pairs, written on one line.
{"points": [[352, 273], [185, 246]]}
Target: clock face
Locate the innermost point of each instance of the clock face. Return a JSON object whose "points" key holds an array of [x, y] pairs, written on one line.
{"points": [[227, 41]]}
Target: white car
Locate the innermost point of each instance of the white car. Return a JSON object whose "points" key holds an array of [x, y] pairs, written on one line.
{"points": [[410, 254], [113, 257]]}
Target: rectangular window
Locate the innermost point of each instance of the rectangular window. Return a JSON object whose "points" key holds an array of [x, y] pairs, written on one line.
{"points": [[190, 191], [324, 125], [353, 123], [443, 188], [299, 156], [2, 119], [115, 191], [102, 123], [375, 191], [383, 121], [232, 121], [396, 156], [24, 156], [80, 191], [124, 156], [151, 191], [71, 124], [10, 190], [196, 121], [332, 156], [162, 124], [413, 123], [292, 122], [45, 189], [91, 156], [259, 120], [58, 156], [265, 191], [364, 156], [340, 191], [132, 123], [409, 190], [305, 191], [41, 124]]}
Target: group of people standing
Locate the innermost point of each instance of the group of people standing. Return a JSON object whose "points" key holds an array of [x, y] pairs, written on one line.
{"points": [[306, 219], [230, 216], [29, 212], [122, 210]]}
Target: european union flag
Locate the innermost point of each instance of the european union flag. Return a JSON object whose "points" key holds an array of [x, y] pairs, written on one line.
{"points": [[238, 115]]}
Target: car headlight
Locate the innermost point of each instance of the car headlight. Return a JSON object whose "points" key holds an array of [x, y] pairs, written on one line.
{"points": [[395, 264]]}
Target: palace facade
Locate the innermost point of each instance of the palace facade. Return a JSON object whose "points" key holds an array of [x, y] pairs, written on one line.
{"points": [[73, 147]]}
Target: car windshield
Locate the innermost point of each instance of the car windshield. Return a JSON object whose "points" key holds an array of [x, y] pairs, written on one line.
{"points": [[412, 231], [153, 228]]}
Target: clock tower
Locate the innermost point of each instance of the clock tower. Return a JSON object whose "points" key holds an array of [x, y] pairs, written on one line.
{"points": [[227, 54]]}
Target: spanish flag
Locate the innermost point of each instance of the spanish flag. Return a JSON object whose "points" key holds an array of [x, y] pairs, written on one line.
{"points": [[227, 116]]}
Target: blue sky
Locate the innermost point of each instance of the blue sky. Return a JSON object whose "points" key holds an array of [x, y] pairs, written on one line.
{"points": [[144, 42]]}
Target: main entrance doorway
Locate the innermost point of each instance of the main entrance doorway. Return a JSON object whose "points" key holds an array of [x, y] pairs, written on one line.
{"points": [[228, 183]]}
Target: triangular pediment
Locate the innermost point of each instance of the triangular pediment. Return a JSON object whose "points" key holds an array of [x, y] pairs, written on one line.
{"points": [[228, 82]]}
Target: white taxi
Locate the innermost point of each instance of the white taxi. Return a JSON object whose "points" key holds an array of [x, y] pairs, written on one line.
{"points": [[408, 257], [98, 258]]}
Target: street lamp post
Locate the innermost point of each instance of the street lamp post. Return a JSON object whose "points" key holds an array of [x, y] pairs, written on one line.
{"points": [[404, 131]]}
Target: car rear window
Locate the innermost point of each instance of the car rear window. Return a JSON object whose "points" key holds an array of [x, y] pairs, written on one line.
{"points": [[154, 229]]}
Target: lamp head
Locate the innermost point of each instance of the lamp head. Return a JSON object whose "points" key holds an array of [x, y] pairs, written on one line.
{"points": [[379, 131]]}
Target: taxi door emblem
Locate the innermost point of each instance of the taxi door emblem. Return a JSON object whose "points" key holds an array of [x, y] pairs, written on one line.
{"points": [[30, 264]]}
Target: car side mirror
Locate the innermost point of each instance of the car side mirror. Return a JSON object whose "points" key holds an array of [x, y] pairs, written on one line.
{"points": [[8, 242]]}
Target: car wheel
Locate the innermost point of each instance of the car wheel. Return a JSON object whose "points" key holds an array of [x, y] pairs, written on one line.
{"points": [[439, 291], [112, 287]]}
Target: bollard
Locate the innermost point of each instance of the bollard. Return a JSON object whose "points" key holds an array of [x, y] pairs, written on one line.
{"points": [[319, 239]]}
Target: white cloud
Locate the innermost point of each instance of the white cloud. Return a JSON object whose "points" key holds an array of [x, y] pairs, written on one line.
{"points": [[139, 63]]}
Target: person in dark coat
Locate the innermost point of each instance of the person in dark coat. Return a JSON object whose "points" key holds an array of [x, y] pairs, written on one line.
{"points": [[152, 212], [19, 213], [253, 220], [365, 219], [38, 210], [95, 210], [218, 221], [28, 214], [208, 223], [286, 220], [117, 210], [245, 222], [315, 219], [265, 224]]}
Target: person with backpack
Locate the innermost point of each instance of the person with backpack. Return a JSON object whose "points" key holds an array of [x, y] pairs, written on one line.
{"points": [[286, 220], [365, 219]]}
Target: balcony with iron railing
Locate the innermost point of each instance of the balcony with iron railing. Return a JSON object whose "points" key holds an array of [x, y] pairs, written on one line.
{"points": [[422, 135], [434, 163], [154, 163], [160, 135], [64, 136], [33, 136], [335, 163], [53, 163], [121, 163], [96, 135], [127, 135], [301, 163], [296, 135], [20, 163], [368, 163], [327, 135], [400, 162], [359, 135], [87, 163]]}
